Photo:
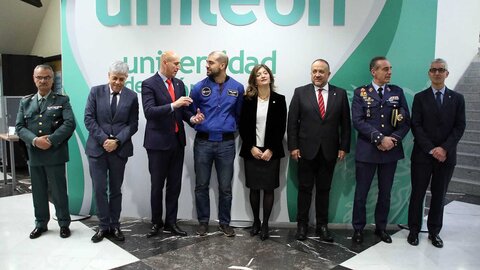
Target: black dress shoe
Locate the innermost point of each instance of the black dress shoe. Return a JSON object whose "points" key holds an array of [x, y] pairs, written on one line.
{"points": [[173, 228], [323, 233], [256, 226], [65, 232], [412, 238], [302, 231], [37, 232], [357, 236], [436, 240], [265, 233], [154, 230], [384, 236], [117, 234], [99, 235]]}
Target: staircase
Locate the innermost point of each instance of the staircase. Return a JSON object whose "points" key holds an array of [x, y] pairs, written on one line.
{"points": [[466, 178]]}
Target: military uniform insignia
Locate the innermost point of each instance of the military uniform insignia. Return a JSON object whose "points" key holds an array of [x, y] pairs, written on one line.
{"points": [[54, 107], [396, 118], [363, 93], [370, 89]]}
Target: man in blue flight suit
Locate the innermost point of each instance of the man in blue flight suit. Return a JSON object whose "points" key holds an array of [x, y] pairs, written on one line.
{"points": [[45, 122], [220, 99], [380, 115]]}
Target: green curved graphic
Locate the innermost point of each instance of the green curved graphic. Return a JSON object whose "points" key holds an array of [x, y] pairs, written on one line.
{"points": [[410, 49], [74, 85]]}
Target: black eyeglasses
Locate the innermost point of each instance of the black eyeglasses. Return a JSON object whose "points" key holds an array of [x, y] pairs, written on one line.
{"points": [[440, 70]]}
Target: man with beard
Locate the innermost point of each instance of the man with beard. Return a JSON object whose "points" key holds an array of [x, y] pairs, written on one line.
{"points": [[220, 99]]}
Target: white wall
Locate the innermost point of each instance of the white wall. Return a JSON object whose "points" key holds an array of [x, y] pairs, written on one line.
{"points": [[458, 29], [48, 38]]}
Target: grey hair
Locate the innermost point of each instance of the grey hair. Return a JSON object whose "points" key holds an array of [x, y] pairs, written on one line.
{"points": [[440, 61], [119, 67], [43, 66]]}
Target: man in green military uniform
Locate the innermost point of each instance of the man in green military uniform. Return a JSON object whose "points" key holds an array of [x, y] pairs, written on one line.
{"points": [[45, 122]]}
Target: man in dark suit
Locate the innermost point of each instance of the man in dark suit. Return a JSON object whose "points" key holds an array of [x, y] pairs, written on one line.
{"points": [[318, 135], [111, 118], [165, 106], [380, 115], [45, 122], [438, 123]]}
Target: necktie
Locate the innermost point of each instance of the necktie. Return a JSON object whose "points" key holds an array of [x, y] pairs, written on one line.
{"points": [[172, 95], [113, 104], [40, 103], [380, 93], [438, 98], [321, 104]]}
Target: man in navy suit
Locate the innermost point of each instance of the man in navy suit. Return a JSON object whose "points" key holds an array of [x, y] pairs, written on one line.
{"points": [[111, 118], [165, 106], [380, 115], [318, 135], [438, 123]]}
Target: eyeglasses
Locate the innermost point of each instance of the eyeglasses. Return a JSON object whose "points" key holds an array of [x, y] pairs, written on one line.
{"points": [[440, 70], [46, 78]]}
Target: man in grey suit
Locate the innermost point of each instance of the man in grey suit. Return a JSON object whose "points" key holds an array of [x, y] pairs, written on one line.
{"points": [[111, 118], [318, 135]]}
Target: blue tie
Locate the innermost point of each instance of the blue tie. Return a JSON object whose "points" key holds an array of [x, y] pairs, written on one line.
{"points": [[113, 105], [438, 99]]}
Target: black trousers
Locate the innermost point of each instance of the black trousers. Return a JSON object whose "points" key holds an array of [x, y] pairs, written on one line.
{"points": [[318, 172], [438, 175]]}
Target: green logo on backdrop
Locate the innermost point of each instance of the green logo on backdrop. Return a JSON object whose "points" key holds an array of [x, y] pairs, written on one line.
{"points": [[226, 10]]}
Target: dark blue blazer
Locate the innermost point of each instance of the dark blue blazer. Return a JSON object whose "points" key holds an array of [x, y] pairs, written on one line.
{"points": [[101, 123], [432, 127], [371, 117], [160, 128]]}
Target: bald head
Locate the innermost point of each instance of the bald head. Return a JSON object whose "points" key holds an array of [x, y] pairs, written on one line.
{"points": [[170, 64]]}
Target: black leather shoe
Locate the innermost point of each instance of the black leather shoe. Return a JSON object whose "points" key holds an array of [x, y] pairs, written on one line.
{"points": [[99, 235], [173, 228], [436, 240], [412, 238], [256, 227], [323, 233], [265, 233], [302, 231], [65, 232], [117, 234], [357, 236], [37, 232], [154, 230], [384, 236]]}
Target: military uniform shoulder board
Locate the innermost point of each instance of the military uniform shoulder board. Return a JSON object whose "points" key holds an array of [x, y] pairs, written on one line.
{"points": [[61, 95], [29, 96]]}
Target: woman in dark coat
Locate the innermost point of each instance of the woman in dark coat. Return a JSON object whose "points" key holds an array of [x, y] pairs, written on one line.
{"points": [[262, 128]]}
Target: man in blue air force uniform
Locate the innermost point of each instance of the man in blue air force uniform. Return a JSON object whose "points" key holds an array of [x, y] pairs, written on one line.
{"points": [[45, 122], [380, 115]]}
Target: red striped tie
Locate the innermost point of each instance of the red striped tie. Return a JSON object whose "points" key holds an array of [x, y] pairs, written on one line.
{"points": [[321, 104], [172, 95]]}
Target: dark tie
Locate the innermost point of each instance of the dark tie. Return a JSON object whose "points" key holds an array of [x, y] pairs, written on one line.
{"points": [[40, 103], [380, 93], [113, 104], [171, 91], [438, 99], [321, 104]]}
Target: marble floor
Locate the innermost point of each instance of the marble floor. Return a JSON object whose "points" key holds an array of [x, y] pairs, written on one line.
{"points": [[215, 251]]}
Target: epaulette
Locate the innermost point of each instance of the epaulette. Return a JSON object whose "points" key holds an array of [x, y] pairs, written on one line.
{"points": [[29, 96], [62, 95]]}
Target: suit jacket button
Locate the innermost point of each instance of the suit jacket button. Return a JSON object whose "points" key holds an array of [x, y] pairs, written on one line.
{"points": [[40, 116], [39, 123]]}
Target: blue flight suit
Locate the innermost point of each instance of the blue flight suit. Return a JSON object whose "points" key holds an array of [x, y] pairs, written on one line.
{"points": [[372, 118]]}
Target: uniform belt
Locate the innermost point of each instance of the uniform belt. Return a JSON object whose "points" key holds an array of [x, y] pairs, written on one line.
{"points": [[225, 136]]}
